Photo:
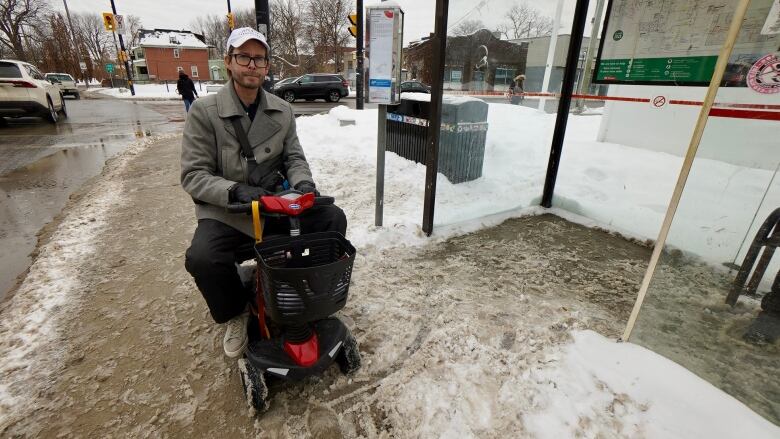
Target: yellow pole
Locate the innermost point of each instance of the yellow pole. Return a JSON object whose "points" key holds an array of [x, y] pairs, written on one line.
{"points": [[698, 132]]}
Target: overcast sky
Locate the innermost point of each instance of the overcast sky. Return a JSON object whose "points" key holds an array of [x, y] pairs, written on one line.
{"points": [[419, 14]]}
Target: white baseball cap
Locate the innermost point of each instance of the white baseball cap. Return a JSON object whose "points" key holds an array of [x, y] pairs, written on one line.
{"points": [[242, 35]]}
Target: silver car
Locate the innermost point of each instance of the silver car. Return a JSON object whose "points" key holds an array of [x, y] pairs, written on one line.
{"points": [[65, 82]]}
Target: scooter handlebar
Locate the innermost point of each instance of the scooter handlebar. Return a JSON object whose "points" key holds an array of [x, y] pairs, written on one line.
{"points": [[322, 200]]}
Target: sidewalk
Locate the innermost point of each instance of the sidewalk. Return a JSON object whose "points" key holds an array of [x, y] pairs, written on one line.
{"points": [[460, 338]]}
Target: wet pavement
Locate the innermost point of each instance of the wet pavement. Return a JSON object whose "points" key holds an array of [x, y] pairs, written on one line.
{"points": [[43, 164]]}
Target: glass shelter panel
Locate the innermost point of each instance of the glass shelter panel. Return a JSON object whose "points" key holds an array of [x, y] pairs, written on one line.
{"points": [[494, 143], [722, 240]]}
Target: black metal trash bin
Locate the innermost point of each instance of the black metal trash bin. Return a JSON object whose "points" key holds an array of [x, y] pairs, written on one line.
{"points": [[462, 139]]}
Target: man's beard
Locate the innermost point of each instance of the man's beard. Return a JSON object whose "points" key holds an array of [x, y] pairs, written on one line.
{"points": [[242, 81]]}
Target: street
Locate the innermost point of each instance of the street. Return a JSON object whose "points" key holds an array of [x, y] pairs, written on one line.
{"points": [[43, 164]]}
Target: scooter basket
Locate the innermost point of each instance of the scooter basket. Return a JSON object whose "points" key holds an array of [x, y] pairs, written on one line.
{"points": [[305, 278]]}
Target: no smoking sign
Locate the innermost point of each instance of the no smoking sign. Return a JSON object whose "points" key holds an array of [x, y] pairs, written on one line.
{"points": [[659, 102]]}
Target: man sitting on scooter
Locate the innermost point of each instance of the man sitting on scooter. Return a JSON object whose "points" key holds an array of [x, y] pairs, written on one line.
{"points": [[215, 171]]}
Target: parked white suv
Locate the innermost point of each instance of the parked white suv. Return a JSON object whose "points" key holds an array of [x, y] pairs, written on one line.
{"points": [[65, 82], [25, 92]]}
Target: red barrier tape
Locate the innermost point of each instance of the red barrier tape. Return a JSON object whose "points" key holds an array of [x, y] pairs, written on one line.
{"points": [[745, 114], [720, 109]]}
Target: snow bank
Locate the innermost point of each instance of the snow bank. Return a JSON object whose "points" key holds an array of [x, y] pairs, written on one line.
{"points": [[152, 91], [653, 396], [618, 187]]}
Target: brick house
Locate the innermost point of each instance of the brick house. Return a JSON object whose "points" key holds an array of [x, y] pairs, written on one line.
{"points": [[477, 62], [161, 53]]}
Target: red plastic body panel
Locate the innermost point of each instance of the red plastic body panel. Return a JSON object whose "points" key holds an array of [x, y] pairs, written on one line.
{"points": [[287, 206], [305, 354]]}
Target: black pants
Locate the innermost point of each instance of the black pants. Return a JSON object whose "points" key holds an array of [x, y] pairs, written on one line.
{"points": [[216, 247]]}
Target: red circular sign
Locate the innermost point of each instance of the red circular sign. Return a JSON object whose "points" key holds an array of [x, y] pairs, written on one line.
{"points": [[764, 76], [659, 101]]}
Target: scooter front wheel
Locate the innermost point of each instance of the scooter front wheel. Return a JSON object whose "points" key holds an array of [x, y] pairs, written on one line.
{"points": [[255, 389]]}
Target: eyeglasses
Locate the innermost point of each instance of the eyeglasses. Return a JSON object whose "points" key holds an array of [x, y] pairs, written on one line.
{"points": [[244, 60]]}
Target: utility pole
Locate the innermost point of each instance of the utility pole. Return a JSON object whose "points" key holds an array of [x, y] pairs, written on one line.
{"points": [[75, 43], [359, 71], [263, 18], [231, 19], [551, 53], [124, 59], [584, 85]]}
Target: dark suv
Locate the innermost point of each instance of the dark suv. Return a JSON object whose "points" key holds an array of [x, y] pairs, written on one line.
{"points": [[313, 86], [414, 87]]}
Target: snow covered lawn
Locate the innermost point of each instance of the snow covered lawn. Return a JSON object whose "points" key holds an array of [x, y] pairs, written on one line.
{"points": [[156, 91]]}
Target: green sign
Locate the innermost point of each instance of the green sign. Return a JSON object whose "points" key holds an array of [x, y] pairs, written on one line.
{"points": [[676, 69], [677, 43], [110, 68]]}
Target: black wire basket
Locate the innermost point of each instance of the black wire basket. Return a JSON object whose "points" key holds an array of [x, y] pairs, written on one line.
{"points": [[305, 278]]}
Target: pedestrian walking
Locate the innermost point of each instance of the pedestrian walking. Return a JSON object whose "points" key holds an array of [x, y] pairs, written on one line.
{"points": [[516, 90], [186, 88]]}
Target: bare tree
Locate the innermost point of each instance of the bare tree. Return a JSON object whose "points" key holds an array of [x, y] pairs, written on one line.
{"points": [[15, 16], [524, 21], [133, 25], [326, 31], [89, 30], [245, 18], [214, 29], [466, 27], [59, 54], [288, 28]]}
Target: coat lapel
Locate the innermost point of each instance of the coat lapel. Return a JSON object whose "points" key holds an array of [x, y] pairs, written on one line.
{"points": [[263, 127], [259, 130]]}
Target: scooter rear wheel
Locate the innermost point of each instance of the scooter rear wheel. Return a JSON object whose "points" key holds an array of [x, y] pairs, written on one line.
{"points": [[348, 357], [255, 389]]}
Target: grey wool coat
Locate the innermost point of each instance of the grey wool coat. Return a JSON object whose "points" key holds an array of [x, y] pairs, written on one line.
{"points": [[211, 160]]}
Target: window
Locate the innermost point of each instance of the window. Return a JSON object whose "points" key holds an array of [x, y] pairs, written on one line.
{"points": [[306, 79], [504, 76], [194, 70], [176, 53], [59, 77], [456, 75], [33, 72], [9, 70]]}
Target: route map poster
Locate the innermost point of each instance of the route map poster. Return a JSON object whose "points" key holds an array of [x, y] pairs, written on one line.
{"points": [[676, 42]]}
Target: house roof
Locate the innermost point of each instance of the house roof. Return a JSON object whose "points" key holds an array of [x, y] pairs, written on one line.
{"points": [[170, 38]]}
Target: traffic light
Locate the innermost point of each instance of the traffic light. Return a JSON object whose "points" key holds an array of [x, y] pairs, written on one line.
{"points": [[231, 20], [108, 21], [353, 19]]}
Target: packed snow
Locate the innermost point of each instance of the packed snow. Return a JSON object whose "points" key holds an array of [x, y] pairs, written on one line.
{"points": [[612, 186], [159, 38]]}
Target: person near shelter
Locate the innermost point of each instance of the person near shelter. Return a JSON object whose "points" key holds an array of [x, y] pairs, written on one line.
{"points": [[216, 172], [186, 88], [516, 89]]}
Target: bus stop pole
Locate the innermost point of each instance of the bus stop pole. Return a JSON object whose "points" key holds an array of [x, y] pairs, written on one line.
{"points": [[380, 164], [562, 118], [434, 125]]}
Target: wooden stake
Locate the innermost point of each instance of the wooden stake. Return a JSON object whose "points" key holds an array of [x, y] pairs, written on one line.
{"points": [[698, 132]]}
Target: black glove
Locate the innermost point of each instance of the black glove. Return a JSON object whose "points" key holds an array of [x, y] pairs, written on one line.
{"points": [[243, 193], [306, 187]]}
